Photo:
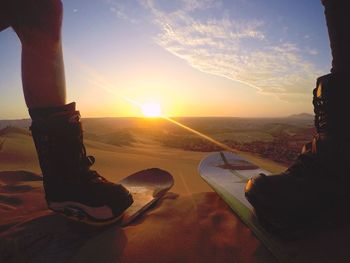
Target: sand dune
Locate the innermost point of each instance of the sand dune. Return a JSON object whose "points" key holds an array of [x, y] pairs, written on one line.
{"points": [[116, 162], [192, 228], [191, 224]]}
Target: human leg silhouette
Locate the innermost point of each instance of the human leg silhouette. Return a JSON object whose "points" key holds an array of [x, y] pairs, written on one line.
{"points": [[316, 185], [56, 128]]}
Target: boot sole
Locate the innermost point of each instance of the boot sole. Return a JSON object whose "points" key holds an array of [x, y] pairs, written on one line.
{"points": [[98, 216]]}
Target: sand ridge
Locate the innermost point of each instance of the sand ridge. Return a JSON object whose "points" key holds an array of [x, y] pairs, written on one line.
{"points": [[192, 228], [190, 224]]}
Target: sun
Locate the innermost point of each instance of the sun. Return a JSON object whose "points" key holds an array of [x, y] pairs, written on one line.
{"points": [[151, 110]]}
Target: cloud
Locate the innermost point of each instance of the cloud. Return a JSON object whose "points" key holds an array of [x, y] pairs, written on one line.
{"points": [[119, 8], [312, 51], [237, 49], [190, 5]]}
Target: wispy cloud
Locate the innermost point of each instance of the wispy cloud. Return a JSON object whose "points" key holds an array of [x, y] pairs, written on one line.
{"points": [[237, 49], [312, 51], [190, 5], [119, 8]]}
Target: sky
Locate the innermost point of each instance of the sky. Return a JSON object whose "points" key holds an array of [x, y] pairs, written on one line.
{"points": [[245, 58]]}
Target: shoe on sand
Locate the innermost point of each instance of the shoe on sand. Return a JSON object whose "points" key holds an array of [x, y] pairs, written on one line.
{"points": [[71, 187]]}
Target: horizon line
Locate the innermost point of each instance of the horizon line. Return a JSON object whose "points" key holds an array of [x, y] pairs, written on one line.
{"points": [[155, 118]]}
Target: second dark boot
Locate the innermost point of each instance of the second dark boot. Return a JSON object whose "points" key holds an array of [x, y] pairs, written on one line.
{"points": [[315, 188]]}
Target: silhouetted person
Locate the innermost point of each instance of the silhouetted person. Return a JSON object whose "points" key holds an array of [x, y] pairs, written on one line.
{"points": [[56, 126], [316, 186]]}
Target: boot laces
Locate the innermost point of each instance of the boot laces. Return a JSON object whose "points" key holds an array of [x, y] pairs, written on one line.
{"points": [[320, 112], [91, 176], [308, 160]]}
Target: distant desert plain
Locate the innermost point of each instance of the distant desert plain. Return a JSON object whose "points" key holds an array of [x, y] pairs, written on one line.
{"points": [[190, 224]]}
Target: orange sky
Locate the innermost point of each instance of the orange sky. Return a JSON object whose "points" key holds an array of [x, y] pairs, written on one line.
{"points": [[194, 58]]}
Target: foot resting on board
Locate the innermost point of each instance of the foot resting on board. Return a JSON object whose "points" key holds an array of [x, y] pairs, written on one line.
{"points": [[315, 188], [71, 187]]}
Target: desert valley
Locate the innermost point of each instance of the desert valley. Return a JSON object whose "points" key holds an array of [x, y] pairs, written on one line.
{"points": [[191, 224]]}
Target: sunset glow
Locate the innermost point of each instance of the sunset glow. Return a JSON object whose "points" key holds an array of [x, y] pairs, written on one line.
{"points": [[151, 109], [196, 58]]}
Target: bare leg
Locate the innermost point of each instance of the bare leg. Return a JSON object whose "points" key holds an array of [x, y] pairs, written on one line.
{"points": [[71, 187], [4, 20], [337, 17], [38, 25], [43, 76]]}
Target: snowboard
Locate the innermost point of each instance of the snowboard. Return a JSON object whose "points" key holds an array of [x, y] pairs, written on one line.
{"points": [[227, 173], [146, 188]]}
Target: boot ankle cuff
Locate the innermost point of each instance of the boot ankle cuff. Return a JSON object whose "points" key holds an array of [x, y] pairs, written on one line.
{"points": [[43, 113]]}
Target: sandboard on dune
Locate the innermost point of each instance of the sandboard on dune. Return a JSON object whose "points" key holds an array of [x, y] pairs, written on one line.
{"points": [[227, 174], [146, 187]]}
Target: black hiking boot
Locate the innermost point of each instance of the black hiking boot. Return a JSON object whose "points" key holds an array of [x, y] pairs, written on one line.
{"points": [[315, 188], [71, 187]]}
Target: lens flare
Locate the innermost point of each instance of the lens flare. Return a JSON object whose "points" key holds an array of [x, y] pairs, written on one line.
{"points": [[151, 110]]}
